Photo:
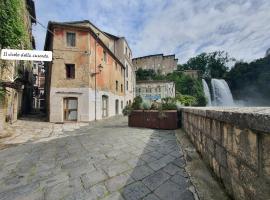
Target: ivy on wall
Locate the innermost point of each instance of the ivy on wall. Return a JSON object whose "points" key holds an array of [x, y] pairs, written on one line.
{"points": [[13, 33]]}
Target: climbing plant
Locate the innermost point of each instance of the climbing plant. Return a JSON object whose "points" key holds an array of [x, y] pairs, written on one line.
{"points": [[13, 32]]}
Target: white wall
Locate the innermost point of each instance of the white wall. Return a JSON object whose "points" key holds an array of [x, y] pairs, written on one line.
{"points": [[86, 103]]}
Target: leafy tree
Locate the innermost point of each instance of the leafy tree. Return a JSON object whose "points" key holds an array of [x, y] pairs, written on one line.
{"points": [[251, 81], [212, 65]]}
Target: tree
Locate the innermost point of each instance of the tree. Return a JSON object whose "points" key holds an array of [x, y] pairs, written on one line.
{"points": [[212, 65]]}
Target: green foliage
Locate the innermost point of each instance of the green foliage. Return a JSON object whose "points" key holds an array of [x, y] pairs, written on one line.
{"points": [[146, 106], [136, 105], [251, 81], [187, 100], [168, 103], [212, 65], [184, 84], [127, 110], [12, 29]]}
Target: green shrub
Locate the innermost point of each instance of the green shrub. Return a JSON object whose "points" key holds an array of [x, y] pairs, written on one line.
{"points": [[127, 110], [136, 105]]}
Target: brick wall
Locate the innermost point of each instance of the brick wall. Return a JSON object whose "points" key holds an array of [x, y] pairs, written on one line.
{"points": [[235, 143]]}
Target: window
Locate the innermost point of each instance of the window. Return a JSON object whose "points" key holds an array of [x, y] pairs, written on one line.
{"points": [[121, 87], [127, 85], [70, 71], [139, 90], [126, 51], [116, 85], [71, 39], [104, 56], [126, 70]]}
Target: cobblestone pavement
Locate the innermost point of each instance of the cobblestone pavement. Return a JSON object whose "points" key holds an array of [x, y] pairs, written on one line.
{"points": [[107, 160]]}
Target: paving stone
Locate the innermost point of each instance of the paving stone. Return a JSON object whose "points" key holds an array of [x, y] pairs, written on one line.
{"points": [[180, 180], [90, 179], [114, 196], [98, 191], [172, 191], [141, 172], [58, 191], [118, 182], [162, 162], [180, 162], [151, 197], [171, 169], [156, 179], [135, 162], [116, 169], [135, 191]]}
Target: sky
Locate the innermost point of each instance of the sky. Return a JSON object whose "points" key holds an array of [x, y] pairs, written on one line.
{"points": [[182, 27]]}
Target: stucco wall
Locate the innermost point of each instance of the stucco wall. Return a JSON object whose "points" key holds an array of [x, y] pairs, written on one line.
{"points": [[86, 103], [235, 143]]}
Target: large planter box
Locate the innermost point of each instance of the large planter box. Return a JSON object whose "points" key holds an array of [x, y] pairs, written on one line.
{"points": [[153, 119]]}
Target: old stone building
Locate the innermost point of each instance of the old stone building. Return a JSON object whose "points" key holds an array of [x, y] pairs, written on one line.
{"points": [[39, 84], [159, 63], [91, 75], [193, 73], [16, 76], [155, 90]]}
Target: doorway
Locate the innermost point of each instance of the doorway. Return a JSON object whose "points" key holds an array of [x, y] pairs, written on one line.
{"points": [[116, 107], [70, 109], [105, 102]]}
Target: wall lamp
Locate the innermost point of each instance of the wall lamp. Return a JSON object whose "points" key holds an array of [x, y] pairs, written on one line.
{"points": [[98, 70]]}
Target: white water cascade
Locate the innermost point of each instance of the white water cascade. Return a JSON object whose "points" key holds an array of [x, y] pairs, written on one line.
{"points": [[207, 92], [222, 95]]}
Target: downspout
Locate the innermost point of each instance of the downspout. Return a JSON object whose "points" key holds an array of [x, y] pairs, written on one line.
{"points": [[95, 80]]}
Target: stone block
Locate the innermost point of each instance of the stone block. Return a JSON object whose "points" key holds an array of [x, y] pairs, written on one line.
{"points": [[221, 156], [266, 155], [233, 166], [207, 128], [245, 146], [238, 190], [227, 140], [210, 145], [216, 131], [216, 167], [226, 180]]}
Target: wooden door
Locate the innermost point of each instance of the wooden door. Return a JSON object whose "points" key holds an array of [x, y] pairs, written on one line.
{"points": [[70, 109]]}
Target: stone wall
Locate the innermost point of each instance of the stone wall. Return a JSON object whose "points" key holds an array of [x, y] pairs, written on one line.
{"points": [[235, 143]]}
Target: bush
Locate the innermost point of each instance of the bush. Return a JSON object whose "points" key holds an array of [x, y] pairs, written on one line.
{"points": [[127, 110], [136, 105]]}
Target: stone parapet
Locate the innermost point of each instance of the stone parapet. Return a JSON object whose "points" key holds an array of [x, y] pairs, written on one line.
{"points": [[235, 143]]}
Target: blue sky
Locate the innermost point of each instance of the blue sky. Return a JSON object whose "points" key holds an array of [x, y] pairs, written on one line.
{"points": [[182, 27]]}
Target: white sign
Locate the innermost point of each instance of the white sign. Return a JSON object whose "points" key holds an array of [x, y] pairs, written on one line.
{"points": [[13, 54]]}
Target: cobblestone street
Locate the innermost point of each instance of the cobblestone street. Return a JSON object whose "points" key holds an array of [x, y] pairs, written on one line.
{"points": [[103, 160]]}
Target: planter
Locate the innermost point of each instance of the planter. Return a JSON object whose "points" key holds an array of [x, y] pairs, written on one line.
{"points": [[168, 120]]}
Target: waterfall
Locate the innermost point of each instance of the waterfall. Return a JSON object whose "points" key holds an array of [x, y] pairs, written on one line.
{"points": [[207, 93], [222, 95]]}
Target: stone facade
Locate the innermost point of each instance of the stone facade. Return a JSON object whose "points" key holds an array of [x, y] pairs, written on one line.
{"points": [[99, 81], [193, 73], [159, 63], [39, 84], [235, 143], [155, 90]]}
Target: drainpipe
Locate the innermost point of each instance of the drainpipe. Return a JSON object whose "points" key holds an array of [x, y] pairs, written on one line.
{"points": [[95, 80]]}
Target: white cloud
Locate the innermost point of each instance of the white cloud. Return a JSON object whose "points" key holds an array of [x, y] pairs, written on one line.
{"points": [[186, 27]]}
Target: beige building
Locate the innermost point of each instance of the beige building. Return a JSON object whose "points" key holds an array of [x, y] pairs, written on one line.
{"points": [[193, 73], [155, 90], [16, 76], [91, 76], [159, 63]]}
